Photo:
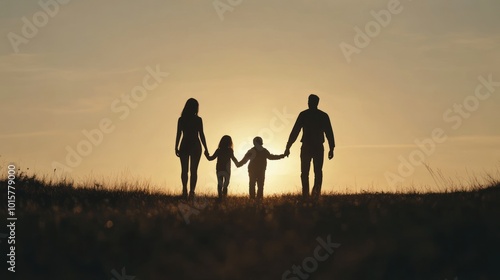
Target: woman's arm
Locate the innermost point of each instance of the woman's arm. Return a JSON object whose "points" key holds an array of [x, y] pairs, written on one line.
{"points": [[202, 136], [178, 137], [214, 156]]}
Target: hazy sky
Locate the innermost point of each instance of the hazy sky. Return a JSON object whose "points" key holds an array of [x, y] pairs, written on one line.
{"points": [[251, 64]]}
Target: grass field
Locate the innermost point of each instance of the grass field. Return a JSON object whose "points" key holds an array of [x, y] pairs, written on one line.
{"points": [[65, 232]]}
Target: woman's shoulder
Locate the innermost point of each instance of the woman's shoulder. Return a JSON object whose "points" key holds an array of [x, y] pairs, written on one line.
{"points": [[196, 119], [190, 119]]}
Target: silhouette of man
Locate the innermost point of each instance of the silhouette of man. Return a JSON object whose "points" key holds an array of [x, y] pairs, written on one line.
{"points": [[315, 124]]}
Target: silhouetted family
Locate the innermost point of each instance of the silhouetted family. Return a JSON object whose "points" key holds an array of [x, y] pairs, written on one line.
{"points": [[314, 123]]}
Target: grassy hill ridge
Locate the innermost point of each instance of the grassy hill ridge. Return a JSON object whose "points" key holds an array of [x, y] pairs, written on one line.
{"points": [[64, 232]]}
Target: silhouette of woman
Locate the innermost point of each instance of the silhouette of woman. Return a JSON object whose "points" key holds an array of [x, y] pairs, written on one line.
{"points": [[190, 126]]}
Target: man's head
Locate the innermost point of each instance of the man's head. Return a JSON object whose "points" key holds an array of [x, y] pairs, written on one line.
{"points": [[313, 101], [258, 142]]}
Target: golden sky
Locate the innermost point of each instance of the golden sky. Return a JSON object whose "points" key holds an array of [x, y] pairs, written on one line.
{"points": [[419, 68]]}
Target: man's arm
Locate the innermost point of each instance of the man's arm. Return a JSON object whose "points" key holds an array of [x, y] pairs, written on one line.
{"points": [[294, 134], [329, 136]]}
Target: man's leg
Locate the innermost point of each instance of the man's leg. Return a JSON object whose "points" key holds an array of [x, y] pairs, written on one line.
{"points": [[318, 158], [253, 180], [305, 166]]}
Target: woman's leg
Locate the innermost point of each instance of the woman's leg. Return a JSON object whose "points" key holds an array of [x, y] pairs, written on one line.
{"points": [[195, 160], [184, 173]]}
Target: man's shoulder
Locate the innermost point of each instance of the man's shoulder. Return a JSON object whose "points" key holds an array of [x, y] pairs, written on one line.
{"points": [[304, 114], [311, 112], [324, 114]]}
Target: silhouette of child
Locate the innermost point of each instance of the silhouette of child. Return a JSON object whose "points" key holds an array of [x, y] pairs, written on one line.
{"points": [[258, 156], [224, 155]]}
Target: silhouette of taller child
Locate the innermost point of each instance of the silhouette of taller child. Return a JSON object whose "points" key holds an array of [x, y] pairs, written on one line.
{"points": [[224, 154], [190, 126]]}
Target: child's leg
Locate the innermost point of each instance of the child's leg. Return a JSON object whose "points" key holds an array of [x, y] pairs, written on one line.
{"points": [[260, 185], [220, 183], [253, 180], [227, 178]]}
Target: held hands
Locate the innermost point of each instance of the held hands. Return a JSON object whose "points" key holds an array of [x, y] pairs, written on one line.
{"points": [[287, 152], [206, 153]]}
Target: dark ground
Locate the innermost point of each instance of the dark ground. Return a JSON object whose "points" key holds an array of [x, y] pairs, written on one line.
{"points": [[68, 233]]}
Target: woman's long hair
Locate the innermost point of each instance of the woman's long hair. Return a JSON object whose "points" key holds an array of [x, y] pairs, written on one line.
{"points": [[191, 108], [226, 142]]}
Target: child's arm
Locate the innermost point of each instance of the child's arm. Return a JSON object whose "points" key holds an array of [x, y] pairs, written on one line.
{"points": [[233, 158], [236, 162], [244, 160], [275, 157], [214, 156]]}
